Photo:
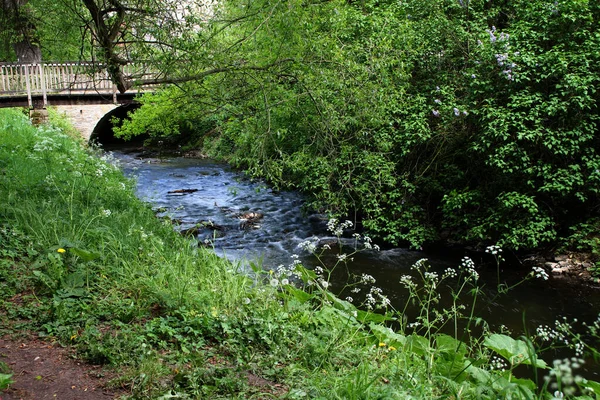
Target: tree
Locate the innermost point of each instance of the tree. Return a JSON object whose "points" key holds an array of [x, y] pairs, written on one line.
{"points": [[20, 32]]}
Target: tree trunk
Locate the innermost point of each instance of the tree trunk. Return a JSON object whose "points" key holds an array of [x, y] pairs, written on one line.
{"points": [[27, 52]]}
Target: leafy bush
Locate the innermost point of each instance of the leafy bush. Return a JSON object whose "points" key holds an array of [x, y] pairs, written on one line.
{"points": [[471, 121]]}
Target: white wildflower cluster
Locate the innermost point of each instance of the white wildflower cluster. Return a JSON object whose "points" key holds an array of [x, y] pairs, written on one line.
{"points": [[343, 257], [421, 264], [561, 332], [561, 376], [376, 299], [431, 276], [106, 213], [367, 242], [366, 279], [407, 282], [540, 272], [309, 245], [109, 158], [498, 364], [468, 266], [337, 228], [44, 144], [50, 179], [283, 272], [493, 250], [449, 273]]}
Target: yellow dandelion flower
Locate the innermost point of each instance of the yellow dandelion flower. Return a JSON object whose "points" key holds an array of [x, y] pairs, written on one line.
{"points": [[391, 348], [381, 344], [61, 250]]}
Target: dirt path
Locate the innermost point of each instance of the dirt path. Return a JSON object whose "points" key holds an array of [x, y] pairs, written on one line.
{"points": [[42, 370]]}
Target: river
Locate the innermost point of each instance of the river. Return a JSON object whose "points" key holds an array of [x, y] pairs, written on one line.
{"points": [[208, 194]]}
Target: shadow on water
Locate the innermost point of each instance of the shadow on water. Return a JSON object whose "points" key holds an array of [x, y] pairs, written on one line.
{"points": [[213, 203]]}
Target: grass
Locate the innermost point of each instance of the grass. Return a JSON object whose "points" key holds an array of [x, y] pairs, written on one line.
{"points": [[92, 267]]}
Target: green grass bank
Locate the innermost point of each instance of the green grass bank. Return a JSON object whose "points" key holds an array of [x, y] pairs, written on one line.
{"points": [[84, 262]]}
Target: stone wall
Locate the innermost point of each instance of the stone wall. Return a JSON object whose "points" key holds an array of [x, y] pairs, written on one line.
{"points": [[86, 117]]}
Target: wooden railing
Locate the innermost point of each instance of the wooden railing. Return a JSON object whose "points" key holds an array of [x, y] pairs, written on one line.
{"points": [[79, 78]]}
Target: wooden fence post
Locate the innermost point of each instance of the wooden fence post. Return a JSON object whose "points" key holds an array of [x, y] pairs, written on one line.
{"points": [[43, 84], [28, 86]]}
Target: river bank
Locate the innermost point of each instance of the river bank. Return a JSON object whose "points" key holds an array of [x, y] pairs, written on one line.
{"points": [[85, 263]]}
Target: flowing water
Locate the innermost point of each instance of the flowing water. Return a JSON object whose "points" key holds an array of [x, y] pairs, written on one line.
{"points": [[216, 202]]}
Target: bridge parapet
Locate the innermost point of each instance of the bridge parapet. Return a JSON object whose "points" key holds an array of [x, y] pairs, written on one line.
{"points": [[70, 79]]}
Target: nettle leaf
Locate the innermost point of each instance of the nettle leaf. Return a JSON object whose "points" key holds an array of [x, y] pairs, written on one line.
{"points": [[515, 351]]}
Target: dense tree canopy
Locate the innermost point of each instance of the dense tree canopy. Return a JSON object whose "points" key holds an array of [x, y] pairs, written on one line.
{"points": [[470, 121]]}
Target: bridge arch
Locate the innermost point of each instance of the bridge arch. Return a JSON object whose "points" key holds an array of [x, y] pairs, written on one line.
{"points": [[103, 131]]}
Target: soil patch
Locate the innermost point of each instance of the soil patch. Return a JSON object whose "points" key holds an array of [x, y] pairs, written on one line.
{"points": [[43, 370]]}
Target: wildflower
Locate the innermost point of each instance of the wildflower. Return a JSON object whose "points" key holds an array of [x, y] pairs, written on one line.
{"points": [[493, 249], [432, 276], [366, 278], [342, 257], [422, 263], [391, 348], [349, 299], [450, 272], [246, 301], [435, 113], [539, 272], [285, 282], [106, 213], [381, 344], [61, 250], [309, 245], [274, 282], [492, 35], [437, 101], [469, 267], [456, 111]]}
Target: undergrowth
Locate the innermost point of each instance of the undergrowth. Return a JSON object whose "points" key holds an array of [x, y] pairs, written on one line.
{"points": [[83, 261]]}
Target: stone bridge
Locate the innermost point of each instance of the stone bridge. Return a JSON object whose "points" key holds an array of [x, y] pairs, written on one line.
{"points": [[82, 91]]}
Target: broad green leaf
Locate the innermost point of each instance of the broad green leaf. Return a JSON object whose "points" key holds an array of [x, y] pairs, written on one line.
{"points": [[515, 351], [298, 294], [418, 344], [387, 335], [593, 386]]}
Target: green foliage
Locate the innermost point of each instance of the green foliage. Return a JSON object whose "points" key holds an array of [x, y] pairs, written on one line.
{"points": [[469, 119]]}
